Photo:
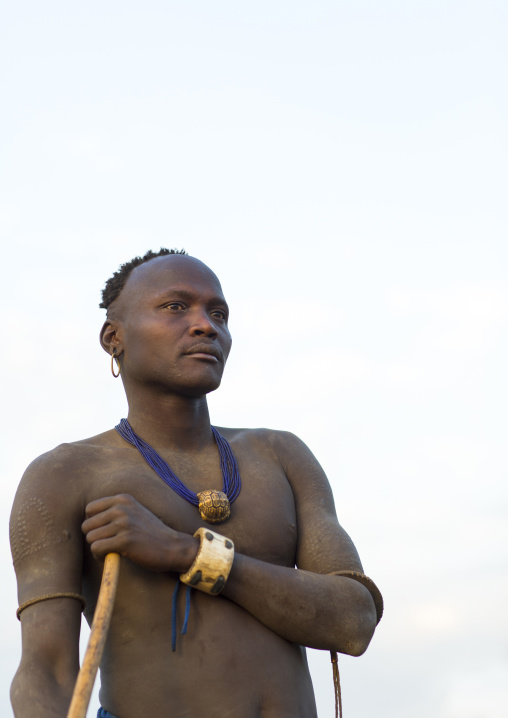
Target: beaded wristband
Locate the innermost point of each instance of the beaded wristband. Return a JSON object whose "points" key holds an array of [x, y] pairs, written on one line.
{"points": [[212, 564]]}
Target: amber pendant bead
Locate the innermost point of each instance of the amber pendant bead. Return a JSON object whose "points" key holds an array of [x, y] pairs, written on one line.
{"points": [[214, 507]]}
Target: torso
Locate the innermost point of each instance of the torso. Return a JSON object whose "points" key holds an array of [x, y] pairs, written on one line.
{"points": [[228, 663]]}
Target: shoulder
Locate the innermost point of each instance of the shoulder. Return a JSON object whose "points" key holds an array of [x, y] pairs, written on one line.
{"points": [[261, 435], [281, 441], [49, 506], [70, 457], [59, 477], [301, 467], [48, 487]]}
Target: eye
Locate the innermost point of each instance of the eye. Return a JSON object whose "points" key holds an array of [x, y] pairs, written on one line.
{"points": [[219, 314], [174, 306]]}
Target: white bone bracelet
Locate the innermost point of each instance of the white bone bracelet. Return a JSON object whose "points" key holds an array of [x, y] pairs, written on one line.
{"points": [[212, 564]]}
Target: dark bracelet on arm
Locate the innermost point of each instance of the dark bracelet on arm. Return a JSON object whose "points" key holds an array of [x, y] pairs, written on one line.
{"points": [[46, 597], [378, 602], [369, 585]]}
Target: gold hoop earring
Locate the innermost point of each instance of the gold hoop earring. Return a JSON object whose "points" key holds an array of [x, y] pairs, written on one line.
{"points": [[117, 364]]}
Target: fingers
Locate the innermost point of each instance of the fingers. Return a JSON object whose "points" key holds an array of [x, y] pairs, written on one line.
{"points": [[100, 505], [109, 511], [122, 525], [101, 548], [108, 530], [111, 530], [101, 534], [106, 523]]}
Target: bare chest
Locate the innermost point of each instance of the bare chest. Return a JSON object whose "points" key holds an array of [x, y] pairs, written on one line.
{"points": [[263, 517]]}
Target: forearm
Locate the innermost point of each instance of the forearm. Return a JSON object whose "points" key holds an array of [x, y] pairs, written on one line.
{"points": [[36, 693], [325, 612], [320, 611]]}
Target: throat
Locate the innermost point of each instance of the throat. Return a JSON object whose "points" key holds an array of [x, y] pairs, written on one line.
{"points": [[175, 423]]}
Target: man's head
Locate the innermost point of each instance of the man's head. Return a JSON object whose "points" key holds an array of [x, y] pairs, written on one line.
{"points": [[167, 323], [117, 281]]}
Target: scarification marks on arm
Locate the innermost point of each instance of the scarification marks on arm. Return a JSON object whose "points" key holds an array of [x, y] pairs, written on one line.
{"points": [[32, 529]]}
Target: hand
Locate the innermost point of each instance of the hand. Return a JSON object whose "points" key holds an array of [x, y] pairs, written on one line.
{"points": [[122, 525]]}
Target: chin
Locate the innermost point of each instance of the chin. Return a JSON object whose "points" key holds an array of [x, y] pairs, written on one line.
{"points": [[191, 384], [196, 391], [199, 388]]}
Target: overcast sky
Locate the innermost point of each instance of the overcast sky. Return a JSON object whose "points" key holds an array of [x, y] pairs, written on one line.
{"points": [[343, 168]]}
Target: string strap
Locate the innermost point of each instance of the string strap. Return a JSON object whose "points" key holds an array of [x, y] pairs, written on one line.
{"points": [[336, 684], [378, 602], [48, 596], [187, 610], [173, 614]]}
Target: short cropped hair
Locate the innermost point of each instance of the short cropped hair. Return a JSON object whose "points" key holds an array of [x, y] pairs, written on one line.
{"points": [[117, 281]]}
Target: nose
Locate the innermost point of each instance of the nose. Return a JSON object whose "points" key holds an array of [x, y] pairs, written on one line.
{"points": [[202, 325]]}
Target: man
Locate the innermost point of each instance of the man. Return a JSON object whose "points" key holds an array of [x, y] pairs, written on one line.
{"points": [[251, 611]]}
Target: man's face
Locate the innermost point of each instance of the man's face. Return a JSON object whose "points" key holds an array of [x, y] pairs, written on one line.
{"points": [[173, 328]]}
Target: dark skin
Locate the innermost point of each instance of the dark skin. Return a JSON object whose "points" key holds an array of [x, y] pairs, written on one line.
{"points": [[243, 653]]}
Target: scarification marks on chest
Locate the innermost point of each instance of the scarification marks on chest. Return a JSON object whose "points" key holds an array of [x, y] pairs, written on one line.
{"points": [[32, 529]]}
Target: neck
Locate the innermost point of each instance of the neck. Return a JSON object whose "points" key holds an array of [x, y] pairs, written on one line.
{"points": [[171, 421]]}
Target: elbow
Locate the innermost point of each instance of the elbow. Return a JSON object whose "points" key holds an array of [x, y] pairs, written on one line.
{"points": [[35, 685], [357, 628], [357, 640], [20, 692], [365, 625], [359, 645], [16, 693]]}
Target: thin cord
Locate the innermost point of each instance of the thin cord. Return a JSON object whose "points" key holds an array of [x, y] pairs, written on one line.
{"points": [[336, 684], [187, 609], [173, 617]]}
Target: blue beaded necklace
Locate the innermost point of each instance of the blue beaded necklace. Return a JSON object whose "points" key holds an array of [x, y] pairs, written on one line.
{"points": [[214, 506]]}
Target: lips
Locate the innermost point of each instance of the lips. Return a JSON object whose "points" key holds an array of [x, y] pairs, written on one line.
{"points": [[206, 349]]}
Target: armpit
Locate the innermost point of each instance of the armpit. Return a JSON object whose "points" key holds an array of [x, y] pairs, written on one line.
{"points": [[32, 529]]}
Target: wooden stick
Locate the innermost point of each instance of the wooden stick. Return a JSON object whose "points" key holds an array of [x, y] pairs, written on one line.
{"points": [[97, 640]]}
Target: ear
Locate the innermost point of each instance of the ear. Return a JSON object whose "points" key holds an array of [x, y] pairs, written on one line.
{"points": [[109, 337]]}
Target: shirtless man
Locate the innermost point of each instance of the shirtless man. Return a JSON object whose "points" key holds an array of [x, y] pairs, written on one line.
{"points": [[243, 653]]}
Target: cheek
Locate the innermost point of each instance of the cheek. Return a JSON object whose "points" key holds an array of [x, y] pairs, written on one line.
{"points": [[146, 339], [226, 345]]}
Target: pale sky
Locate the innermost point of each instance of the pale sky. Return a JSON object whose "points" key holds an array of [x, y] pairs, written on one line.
{"points": [[342, 168]]}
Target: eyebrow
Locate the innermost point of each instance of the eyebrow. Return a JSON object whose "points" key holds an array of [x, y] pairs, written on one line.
{"points": [[185, 294]]}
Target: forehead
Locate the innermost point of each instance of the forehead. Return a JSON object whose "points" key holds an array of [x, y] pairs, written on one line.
{"points": [[171, 272]]}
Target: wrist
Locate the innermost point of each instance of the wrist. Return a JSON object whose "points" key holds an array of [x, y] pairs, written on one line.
{"points": [[182, 552]]}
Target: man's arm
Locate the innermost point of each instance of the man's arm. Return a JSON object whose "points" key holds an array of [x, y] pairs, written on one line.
{"points": [[303, 605], [307, 606], [47, 546], [43, 684]]}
